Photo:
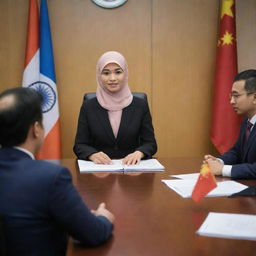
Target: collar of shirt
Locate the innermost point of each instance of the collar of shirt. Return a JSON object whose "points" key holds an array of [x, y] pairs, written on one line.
{"points": [[252, 120], [26, 151]]}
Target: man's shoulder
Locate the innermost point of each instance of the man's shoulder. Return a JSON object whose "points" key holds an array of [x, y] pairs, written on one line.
{"points": [[45, 169], [48, 165]]}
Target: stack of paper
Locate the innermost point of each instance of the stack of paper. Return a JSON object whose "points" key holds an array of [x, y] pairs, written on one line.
{"points": [[186, 176], [237, 226], [185, 187], [117, 166]]}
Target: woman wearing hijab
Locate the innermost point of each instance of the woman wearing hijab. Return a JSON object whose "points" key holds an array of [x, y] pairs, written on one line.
{"points": [[114, 125]]}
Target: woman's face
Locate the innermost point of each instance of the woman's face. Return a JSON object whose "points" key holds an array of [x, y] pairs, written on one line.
{"points": [[112, 77]]}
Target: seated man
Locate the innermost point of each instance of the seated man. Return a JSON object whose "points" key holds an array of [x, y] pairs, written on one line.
{"points": [[240, 161], [39, 205]]}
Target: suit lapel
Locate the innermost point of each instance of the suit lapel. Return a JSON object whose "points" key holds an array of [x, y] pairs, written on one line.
{"points": [[126, 118], [250, 141], [104, 120], [243, 144]]}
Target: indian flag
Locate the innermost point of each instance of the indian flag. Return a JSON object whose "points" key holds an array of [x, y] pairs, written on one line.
{"points": [[39, 74]]}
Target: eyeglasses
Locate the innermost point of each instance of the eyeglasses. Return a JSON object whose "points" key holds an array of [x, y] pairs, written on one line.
{"points": [[235, 96]]}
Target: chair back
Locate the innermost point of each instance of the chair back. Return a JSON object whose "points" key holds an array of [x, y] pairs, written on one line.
{"points": [[140, 95]]}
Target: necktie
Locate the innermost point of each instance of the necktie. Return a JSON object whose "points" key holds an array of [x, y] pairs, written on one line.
{"points": [[248, 129]]}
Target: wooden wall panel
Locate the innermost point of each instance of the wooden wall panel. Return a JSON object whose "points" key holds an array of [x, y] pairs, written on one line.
{"points": [[184, 46], [246, 34], [13, 22]]}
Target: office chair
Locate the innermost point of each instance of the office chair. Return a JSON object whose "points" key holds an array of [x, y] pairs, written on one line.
{"points": [[92, 95]]}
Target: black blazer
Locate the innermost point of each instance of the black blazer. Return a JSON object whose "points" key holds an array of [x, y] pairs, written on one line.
{"points": [[242, 156], [94, 131], [40, 207]]}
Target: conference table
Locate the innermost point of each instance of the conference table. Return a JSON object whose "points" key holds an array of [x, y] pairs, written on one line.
{"points": [[151, 219]]}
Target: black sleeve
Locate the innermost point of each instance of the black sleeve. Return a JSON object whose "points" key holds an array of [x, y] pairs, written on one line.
{"points": [[82, 147], [147, 137], [69, 211], [244, 171]]}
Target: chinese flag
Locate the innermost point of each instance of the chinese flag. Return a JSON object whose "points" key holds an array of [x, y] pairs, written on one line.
{"points": [[205, 183], [225, 122]]}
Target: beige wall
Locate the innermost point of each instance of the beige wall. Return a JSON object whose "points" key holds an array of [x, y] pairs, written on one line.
{"points": [[170, 48], [183, 63], [246, 34]]}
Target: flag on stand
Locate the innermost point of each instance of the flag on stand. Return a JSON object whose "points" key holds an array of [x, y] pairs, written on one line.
{"points": [[32, 73], [225, 122], [205, 183], [39, 74]]}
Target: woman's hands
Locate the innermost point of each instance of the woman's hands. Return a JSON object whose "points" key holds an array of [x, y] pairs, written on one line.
{"points": [[133, 158], [100, 158]]}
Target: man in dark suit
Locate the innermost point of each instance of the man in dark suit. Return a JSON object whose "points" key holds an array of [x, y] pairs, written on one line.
{"points": [[39, 205], [240, 161]]}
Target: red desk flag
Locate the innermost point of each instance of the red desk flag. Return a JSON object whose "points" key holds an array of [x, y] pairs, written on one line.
{"points": [[225, 122], [205, 183], [39, 74]]}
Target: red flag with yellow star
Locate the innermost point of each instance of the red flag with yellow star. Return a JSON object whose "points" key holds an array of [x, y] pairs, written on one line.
{"points": [[225, 122], [205, 183]]}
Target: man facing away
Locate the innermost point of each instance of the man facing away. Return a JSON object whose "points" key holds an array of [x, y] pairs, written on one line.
{"points": [[240, 161], [38, 203]]}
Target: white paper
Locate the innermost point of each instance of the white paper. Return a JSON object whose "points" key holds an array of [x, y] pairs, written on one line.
{"points": [[186, 176], [236, 226], [117, 166], [182, 187], [185, 187], [89, 166], [147, 165]]}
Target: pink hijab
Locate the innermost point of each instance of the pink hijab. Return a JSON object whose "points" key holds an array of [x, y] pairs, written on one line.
{"points": [[113, 102]]}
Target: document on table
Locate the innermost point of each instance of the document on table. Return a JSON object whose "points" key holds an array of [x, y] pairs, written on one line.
{"points": [[150, 165], [226, 225], [186, 176], [185, 187]]}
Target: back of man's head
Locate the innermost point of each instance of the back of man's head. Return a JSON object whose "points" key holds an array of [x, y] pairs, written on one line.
{"points": [[20, 108], [249, 76]]}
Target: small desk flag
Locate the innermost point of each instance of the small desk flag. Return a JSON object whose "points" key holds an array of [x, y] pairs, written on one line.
{"points": [[205, 183], [39, 74]]}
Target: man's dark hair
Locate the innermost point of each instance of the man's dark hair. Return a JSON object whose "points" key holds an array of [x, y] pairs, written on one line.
{"points": [[250, 79], [17, 117]]}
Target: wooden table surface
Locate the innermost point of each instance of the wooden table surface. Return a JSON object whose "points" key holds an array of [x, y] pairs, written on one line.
{"points": [[153, 220]]}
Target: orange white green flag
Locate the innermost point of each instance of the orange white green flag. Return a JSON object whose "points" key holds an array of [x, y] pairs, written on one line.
{"points": [[39, 74], [205, 183]]}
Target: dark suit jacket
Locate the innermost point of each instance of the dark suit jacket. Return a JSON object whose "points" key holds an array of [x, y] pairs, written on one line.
{"points": [[94, 132], [40, 206], [242, 156]]}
